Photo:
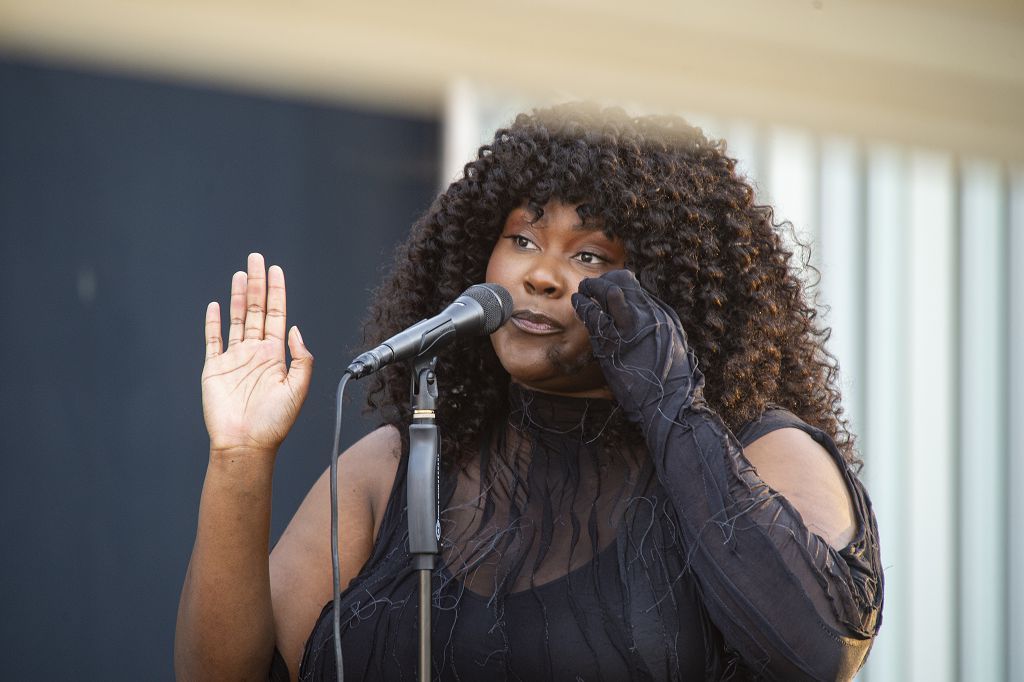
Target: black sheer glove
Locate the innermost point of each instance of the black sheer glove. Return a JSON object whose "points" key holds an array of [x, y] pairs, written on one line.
{"points": [[785, 602], [640, 345]]}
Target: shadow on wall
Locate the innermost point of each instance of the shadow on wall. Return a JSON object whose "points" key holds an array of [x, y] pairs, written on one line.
{"points": [[124, 208]]}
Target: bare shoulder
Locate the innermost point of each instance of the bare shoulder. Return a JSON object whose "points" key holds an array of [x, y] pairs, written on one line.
{"points": [[300, 564], [803, 471], [369, 466]]}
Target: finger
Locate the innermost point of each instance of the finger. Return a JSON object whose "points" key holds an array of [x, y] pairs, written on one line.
{"points": [[276, 305], [596, 288], [255, 297], [623, 278], [607, 330], [237, 307], [619, 309], [581, 304], [214, 343], [609, 295], [301, 370], [588, 311]]}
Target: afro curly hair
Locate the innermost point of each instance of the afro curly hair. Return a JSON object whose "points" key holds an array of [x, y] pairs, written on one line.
{"points": [[694, 236]]}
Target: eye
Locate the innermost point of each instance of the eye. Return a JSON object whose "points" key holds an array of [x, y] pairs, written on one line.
{"points": [[590, 258], [521, 242]]}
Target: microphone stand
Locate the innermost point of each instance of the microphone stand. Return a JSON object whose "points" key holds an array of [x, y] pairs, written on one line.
{"points": [[423, 494]]}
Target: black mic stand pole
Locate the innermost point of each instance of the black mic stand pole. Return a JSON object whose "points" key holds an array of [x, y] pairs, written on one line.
{"points": [[423, 493]]}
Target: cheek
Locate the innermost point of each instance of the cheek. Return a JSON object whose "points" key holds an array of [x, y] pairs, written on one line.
{"points": [[497, 267], [578, 340]]}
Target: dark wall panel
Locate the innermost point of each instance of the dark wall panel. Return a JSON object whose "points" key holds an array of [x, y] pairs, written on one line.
{"points": [[125, 206]]}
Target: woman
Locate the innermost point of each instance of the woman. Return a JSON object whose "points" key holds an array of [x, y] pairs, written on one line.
{"points": [[622, 499]]}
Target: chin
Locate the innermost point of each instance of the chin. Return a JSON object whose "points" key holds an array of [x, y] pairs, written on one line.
{"points": [[553, 367], [548, 377]]}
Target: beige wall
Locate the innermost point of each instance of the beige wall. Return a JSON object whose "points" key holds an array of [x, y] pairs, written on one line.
{"points": [[937, 73]]}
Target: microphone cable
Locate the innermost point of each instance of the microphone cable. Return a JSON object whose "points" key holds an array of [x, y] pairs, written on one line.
{"points": [[494, 307], [335, 570]]}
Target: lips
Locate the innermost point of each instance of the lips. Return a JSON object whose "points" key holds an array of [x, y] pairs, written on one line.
{"points": [[533, 322]]}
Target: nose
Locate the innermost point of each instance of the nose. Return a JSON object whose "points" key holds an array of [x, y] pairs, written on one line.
{"points": [[544, 279]]}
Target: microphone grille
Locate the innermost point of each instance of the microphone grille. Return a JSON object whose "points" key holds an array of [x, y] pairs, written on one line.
{"points": [[496, 302]]}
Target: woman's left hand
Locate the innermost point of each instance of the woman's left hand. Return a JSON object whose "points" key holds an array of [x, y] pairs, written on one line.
{"points": [[640, 345]]}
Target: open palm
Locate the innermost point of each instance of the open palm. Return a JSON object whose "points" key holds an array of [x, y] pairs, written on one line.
{"points": [[251, 397]]}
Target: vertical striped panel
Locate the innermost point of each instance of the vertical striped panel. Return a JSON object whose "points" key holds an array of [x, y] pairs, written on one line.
{"points": [[883, 436], [461, 129], [841, 255], [743, 144], [982, 425], [472, 114], [792, 183], [840, 246], [1015, 482], [932, 431]]}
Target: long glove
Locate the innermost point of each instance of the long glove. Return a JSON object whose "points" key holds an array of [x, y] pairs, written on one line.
{"points": [[641, 346], [787, 603]]}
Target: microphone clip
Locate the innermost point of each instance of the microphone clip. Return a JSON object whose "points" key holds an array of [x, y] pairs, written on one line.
{"points": [[423, 476]]}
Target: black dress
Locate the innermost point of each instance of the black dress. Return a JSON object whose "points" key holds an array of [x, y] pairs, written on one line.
{"points": [[571, 552]]}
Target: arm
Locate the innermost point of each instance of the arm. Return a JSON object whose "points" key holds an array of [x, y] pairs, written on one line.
{"points": [[235, 605], [225, 627], [300, 565], [251, 398], [789, 604], [795, 465]]}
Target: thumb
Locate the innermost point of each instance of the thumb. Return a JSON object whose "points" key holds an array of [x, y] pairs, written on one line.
{"points": [[301, 370]]}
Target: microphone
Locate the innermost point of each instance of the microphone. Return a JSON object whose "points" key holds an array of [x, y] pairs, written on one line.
{"points": [[481, 309]]}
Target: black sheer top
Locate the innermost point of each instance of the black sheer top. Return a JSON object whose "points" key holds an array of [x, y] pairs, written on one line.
{"points": [[573, 552]]}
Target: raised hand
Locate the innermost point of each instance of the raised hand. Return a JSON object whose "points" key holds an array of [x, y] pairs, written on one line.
{"points": [[640, 345], [251, 397]]}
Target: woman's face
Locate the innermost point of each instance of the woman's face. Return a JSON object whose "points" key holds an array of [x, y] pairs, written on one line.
{"points": [[545, 346]]}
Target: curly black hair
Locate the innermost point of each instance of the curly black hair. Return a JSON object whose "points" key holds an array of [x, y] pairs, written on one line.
{"points": [[694, 236]]}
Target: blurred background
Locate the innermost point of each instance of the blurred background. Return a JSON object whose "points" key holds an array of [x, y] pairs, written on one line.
{"points": [[146, 146]]}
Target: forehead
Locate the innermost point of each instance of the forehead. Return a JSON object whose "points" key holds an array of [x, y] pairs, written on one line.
{"points": [[573, 216]]}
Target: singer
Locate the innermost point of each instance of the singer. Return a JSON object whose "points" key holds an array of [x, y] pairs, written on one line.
{"points": [[646, 472]]}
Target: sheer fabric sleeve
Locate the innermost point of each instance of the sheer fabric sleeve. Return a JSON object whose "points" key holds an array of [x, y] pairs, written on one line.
{"points": [[787, 603]]}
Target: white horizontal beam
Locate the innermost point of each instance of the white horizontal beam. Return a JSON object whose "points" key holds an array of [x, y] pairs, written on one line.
{"points": [[922, 73]]}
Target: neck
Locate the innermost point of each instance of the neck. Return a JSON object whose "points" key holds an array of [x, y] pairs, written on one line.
{"points": [[574, 415]]}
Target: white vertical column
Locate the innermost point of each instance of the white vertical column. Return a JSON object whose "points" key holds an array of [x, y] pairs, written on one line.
{"points": [[883, 443], [932, 446], [461, 130], [743, 144], [791, 181], [982, 424], [841, 256], [1015, 484], [840, 261], [472, 113], [840, 244]]}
